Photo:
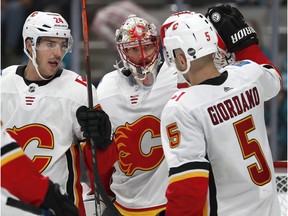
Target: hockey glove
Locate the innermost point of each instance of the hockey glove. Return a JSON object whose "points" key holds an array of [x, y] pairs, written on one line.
{"points": [[232, 27], [96, 125], [58, 203]]}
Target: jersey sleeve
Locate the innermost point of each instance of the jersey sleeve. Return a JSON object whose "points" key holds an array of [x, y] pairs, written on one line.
{"points": [[272, 78], [18, 174], [270, 83], [105, 162], [254, 53], [184, 147]]}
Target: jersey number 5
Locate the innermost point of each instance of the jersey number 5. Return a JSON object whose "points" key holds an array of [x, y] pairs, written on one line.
{"points": [[173, 134], [251, 147]]}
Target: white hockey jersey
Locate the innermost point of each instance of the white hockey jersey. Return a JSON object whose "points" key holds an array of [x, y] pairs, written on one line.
{"points": [[224, 121], [41, 117], [141, 175]]}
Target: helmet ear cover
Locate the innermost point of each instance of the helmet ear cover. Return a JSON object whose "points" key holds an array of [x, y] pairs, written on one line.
{"points": [[195, 35]]}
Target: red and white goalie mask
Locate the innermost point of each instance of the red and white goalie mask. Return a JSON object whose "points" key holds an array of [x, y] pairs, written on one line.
{"points": [[138, 45]]}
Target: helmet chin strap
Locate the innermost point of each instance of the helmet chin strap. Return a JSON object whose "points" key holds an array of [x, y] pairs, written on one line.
{"points": [[33, 59]]}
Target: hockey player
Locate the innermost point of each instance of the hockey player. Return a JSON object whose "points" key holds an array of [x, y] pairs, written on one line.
{"points": [[39, 102], [133, 97], [218, 122], [24, 182]]}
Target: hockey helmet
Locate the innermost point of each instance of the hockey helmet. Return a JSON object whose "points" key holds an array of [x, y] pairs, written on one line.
{"points": [[171, 19], [45, 24], [195, 35]]}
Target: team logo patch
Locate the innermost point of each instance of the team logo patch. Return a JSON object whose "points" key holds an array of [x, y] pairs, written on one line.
{"points": [[226, 89], [241, 63], [32, 88], [81, 80], [139, 145]]}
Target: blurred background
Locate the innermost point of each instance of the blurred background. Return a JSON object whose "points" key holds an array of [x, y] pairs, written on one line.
{"points": [[268, 17]]}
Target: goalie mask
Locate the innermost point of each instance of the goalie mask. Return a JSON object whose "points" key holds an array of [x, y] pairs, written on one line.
{"points": [[194, 35], [138, 45], [45, 24]]}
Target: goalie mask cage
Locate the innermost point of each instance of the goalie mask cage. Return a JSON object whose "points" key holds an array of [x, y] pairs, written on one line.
{"points": [[281, 181]]}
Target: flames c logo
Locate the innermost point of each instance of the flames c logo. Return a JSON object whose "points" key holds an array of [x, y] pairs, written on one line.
{"points": [[41, 133], [139, 145], [138, 32]]}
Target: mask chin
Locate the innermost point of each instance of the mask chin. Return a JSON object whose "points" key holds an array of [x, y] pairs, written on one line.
{"points": [[144, 77], [146, 82]]}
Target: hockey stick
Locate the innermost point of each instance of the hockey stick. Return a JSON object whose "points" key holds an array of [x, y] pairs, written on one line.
{"points": [[28, 207], [97, 182]]}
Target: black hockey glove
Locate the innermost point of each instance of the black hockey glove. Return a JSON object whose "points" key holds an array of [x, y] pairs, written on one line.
{"points": [[232, 27], [58, 203], [96, 125]]}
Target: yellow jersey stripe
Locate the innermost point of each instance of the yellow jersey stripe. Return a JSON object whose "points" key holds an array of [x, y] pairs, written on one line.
{"points": [[188, 175], [11, 157]]}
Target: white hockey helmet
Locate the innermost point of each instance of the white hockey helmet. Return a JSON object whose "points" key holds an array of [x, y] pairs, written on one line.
{"points": [[45, 24], [136, 32], [171, 19], [195, 35]]}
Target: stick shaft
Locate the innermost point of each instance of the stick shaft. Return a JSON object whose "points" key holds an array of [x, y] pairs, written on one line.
{"points": [[97, 182], [90, 95], [87, 54]]}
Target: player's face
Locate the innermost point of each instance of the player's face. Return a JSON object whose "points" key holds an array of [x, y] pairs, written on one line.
{"points": [[50, 52], [141, 56]]}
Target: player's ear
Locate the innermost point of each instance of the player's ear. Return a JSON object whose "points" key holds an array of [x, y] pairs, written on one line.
{"points": [[28, 43], [181, 60]]}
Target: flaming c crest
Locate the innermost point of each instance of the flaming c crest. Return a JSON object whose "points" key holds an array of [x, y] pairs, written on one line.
{"points": [[137, 32], [41, 133], [130, 143]]}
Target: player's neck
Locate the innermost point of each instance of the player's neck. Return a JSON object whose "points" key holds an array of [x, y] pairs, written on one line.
{"points": [[30, 73], [199, 74]]}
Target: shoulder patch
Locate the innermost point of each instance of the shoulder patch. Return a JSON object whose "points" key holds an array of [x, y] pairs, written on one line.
{"points": [[81, 80], [241, 63]]}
